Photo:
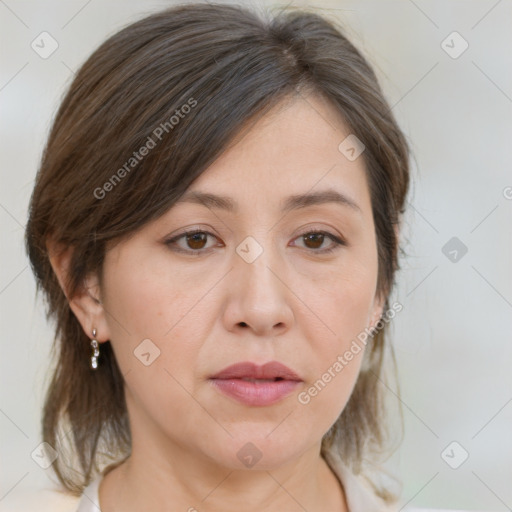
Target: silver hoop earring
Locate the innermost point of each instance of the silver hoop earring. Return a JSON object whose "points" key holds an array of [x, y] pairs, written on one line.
{"points": [[95, 351]]}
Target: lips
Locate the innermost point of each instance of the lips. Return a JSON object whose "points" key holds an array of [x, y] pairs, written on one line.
{"points": [[256, 385], [269, 371]]}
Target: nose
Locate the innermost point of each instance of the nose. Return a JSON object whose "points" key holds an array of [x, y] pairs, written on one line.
{"points": [[258, 297]]}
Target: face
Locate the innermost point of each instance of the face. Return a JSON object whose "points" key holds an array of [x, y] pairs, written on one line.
{"points": [[263, 277]]}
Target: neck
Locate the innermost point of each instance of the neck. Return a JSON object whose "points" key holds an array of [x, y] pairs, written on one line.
{"points": [[156, 479]]}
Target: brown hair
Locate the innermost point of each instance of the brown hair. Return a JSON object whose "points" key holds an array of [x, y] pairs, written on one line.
{"points": [[199, 73]]}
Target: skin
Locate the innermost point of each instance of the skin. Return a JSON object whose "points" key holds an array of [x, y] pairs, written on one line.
{"points": [[204, 312]]}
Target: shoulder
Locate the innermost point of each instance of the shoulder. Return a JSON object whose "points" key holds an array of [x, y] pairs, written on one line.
{"points": [[39, 500]]}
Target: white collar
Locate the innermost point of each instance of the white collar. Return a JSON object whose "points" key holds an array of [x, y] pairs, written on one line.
{"points": [[90, 499]]}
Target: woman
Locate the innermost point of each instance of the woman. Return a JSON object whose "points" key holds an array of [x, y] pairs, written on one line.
{"points": [[215, 227]]}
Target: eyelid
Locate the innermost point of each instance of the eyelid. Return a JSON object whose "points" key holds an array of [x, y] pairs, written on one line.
{"points": [[318, 229], [190, 230]]}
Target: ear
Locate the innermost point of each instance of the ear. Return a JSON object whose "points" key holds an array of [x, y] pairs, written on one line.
{"points": [[380, 300], [86, 302], [377, 310]]}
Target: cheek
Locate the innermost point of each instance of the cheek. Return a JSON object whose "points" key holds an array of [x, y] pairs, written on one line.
{"points": [[155, 334], [146, 298], [340, 302], [325, 397], [157, 322], [335, 359], [343, 302]]}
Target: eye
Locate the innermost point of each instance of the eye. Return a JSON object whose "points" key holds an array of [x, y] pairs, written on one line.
{"points": [[313, 240], [193, 241]]}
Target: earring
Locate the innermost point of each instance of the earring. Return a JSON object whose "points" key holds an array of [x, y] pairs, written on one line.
{"points": [[95, 351]]}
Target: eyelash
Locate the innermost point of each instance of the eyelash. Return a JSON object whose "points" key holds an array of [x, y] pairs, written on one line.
{"points": [[338, 242]]}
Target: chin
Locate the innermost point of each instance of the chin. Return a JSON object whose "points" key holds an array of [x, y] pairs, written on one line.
{"points": [[260, 451]]}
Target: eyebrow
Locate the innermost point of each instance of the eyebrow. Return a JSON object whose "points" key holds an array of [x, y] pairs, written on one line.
{"points": [[293, 202]]}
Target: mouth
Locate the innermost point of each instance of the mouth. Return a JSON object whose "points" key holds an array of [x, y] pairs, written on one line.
{"points": [[254, 385], [246, 379], [250, 371]]}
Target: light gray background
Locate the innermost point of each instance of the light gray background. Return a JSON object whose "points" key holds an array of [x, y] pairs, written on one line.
{"points": [[453, 337]]}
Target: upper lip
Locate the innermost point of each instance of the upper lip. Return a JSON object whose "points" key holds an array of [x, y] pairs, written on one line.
{"points": [[249, 370]]}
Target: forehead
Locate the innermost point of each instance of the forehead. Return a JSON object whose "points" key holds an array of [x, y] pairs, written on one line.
{"points": [[289, 157]]}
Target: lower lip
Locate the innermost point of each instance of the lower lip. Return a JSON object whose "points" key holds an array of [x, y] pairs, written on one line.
{"points": [[256, 393]]}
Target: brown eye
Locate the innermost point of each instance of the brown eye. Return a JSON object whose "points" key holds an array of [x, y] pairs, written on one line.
{"points": [[196, 240], [313, 240], [191, 242]]}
